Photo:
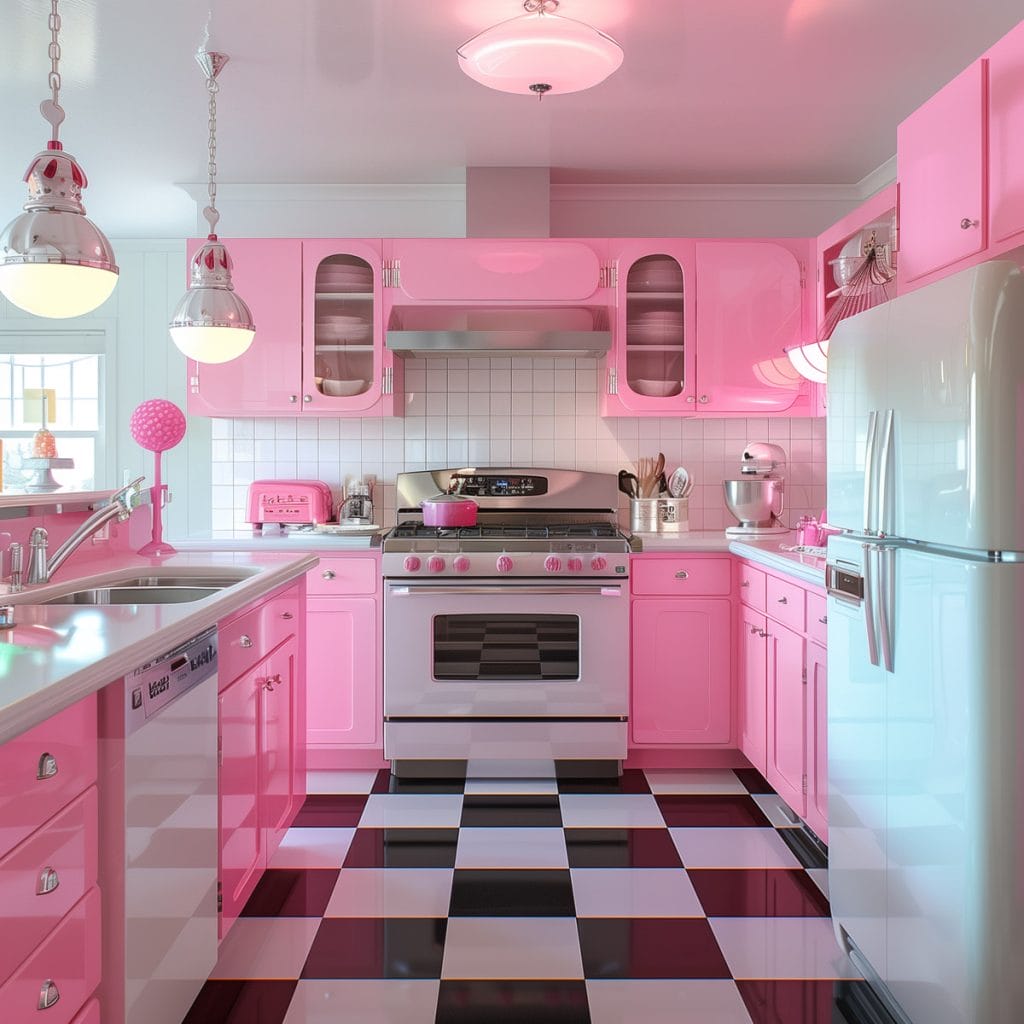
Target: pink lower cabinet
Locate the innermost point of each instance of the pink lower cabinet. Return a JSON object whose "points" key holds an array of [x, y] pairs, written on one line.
{"points": [[752, 650], [282, 785], [817, 740], [681, 671], [787, 744]]}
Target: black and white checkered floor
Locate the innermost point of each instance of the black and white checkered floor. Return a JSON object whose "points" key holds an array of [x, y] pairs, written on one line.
{"points": [[675, 896]]}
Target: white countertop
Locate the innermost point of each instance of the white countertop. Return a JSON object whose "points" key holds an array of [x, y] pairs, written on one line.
{"points": [[688, 540], [58, 654], [276, 540]]}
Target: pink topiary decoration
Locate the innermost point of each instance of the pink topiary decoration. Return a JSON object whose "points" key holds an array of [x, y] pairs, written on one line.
{"points": [[157, 425]]}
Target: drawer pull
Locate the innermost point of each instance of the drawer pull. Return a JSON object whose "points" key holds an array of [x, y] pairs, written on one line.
{"points": [[328, 574], [824, 620], [745, 583], [48, 995], [47, 767], [783, 600], [682, 575], [753, 630], [287, 615], [762, 632], [245, 640], [48, 881], [268, 683]]}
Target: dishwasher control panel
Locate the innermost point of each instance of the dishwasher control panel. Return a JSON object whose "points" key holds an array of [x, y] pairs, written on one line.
{"points": [[154, 685]]}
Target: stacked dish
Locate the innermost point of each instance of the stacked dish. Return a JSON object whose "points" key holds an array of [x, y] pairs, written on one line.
{"points": [[341, 277], [656, 327], [339, 327], [656, 275], [655, 388]]}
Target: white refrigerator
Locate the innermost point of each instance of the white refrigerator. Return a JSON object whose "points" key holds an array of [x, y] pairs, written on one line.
{"points": [[926, 647]]}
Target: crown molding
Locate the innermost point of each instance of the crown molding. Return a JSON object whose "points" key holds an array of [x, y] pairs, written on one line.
{"points": [[327, 193], [881, 177], [617, 193]]}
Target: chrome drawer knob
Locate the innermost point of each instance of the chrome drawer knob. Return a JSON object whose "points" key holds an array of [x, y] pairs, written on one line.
{"points": [[682, 575], [293, 398], [245, 640], [824, 620], [47, 767], [307, 398], [287, 615], [328, 574], [968, 223], [48, 881], [783, 600], [745, 583], [48, 995]]}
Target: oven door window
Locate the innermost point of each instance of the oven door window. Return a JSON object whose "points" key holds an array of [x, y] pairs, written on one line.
{"points": [[478, 648]]}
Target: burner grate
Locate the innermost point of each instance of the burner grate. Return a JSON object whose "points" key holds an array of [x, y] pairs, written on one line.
{"points": [[505, 532]]}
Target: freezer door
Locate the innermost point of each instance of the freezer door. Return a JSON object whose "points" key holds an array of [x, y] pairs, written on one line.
{"points": [[954, 380], [857, 687], [857, 394]]}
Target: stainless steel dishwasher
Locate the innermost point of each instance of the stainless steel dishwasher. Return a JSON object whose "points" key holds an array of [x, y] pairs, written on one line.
{"points": [[158, 805]]}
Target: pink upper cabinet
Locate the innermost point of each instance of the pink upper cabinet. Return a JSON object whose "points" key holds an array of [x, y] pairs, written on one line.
{"points": [[264, 381], [345, 367], [496, 269], [941, 168], [749, 309], [650, 369], [1006, 136]]}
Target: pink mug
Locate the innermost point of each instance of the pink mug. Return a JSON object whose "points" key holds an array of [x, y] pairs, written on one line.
{"points": [[808, 532]]}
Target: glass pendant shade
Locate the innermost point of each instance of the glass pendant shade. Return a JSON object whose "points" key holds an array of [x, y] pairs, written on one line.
{"points": [[810, 361], [540, 53], [54, 261], [212, 324]]}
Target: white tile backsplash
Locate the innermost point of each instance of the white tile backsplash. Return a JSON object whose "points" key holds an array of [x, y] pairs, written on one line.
{"points": [[527, 412]]}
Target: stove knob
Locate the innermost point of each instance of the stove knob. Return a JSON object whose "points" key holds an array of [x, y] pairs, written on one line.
{"points": [[411, 563], [552, 563], [461, 564], [575, 565], [598, 563], [504, 564], [435, 563]]}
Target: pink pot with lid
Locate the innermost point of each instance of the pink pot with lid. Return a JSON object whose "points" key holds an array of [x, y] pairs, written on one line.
{"points": [[449, 510]]}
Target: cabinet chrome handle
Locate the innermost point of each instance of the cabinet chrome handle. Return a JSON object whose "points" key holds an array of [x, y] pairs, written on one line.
{"points": [[968, 223], [48, 995], [824, 620], [328, 574], [245, 640], [682, 575], [783, 600], [307, 398], [691, 398], [48, 881], [703, 399], [762, 632], [287, 615], [745, 583], [753, 630], [293, 398], [47, 767], [269, 683]]}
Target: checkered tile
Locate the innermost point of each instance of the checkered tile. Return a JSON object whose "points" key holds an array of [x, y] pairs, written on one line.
{"points": [[664, 895]]}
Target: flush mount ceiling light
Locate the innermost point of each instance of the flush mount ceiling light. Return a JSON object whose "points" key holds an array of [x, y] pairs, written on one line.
{"points": [[212, 324], [54, 261], [540, 52]]}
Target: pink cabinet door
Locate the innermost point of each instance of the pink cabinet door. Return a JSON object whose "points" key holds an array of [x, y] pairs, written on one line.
{"points": [[1005, 137], [941, 168], [682, 671], [817, 741], [650, 370], [264, 381], [497, 269], [279, 795], [749, 307], [753, 687], [242, 852], [787, 744], [345, 366], [343, 679]]}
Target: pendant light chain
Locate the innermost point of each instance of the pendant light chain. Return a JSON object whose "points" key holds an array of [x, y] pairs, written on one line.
{"points": [[210, 212], [54, 78]]}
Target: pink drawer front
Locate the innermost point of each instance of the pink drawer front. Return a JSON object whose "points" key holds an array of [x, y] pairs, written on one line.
{"points": [[681, 577], [280, 617], [63, 972], [785, 603], [343, 576], [44, 877], [752, 586], [44, 769], [817, 623], [90, 1014], [241, 646]]}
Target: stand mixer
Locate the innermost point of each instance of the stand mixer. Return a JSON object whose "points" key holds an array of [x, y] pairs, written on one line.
{"points": [[756, 500]]}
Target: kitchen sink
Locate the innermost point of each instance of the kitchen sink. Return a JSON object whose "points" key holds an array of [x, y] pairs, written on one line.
{"points": [[156, 588]]}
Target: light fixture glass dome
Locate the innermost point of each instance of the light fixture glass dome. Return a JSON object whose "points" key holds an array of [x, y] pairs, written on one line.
{"points": [[540, 52], [810, 361]]}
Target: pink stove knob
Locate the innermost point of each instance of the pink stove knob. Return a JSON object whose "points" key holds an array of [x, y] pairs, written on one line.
{"points": [[575, 565], [461, 564], [552, 563], [504, 563], [411, 563], [435, 563], [598, 563]]}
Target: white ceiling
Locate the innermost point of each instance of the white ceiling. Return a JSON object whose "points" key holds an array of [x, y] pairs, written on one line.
{"points": [[338, 91]]}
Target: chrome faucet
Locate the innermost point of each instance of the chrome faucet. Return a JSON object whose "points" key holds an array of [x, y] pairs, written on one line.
{"points": [[40, 569]]}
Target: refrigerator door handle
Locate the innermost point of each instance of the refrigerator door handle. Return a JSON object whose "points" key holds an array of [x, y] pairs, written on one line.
{"points": [[886, 604], [869, 601], [885, 489], [869, 472]]}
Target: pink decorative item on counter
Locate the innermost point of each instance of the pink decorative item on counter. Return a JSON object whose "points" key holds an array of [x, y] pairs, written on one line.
{"points": [[449, 510], [157, 425]]}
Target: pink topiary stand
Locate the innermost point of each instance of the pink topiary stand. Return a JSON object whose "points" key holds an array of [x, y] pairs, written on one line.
{"points": [[157, 425]]}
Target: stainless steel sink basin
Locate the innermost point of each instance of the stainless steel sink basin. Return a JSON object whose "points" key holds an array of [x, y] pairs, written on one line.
{"points": [[136, 595]]}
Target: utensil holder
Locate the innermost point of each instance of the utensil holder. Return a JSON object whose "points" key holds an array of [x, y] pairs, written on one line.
{"points": [[659, 515]]}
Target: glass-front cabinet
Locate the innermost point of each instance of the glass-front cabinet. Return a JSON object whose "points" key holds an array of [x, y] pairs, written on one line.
{"points": [[345, 367], [651, 365]]}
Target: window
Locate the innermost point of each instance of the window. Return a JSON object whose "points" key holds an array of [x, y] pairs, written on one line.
{"points": [[51, 375]]}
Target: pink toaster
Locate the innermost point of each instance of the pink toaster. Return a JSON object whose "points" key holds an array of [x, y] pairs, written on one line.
{"points": [[292, 502]]}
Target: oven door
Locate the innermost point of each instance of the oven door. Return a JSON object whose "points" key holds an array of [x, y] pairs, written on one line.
{"points": [[506, 649]]}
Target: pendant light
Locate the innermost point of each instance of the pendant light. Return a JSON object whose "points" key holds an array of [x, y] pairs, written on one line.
{"points": [[212, 324], [54, 261], [540, 52]]}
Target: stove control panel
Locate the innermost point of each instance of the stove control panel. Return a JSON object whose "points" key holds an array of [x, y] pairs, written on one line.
{"points": [[504, 564], [552, 564], [483, 485], [411, 563], [518, 564], [460, 563], [435, 564]]}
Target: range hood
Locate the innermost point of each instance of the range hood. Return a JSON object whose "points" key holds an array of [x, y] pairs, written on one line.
{"points": [[446, 331]]}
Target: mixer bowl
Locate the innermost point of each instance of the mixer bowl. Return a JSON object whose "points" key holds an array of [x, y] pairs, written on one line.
{"points": [[755, 503]]}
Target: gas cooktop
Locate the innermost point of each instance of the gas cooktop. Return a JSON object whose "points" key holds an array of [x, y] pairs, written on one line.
{"points": [[504, 531]]}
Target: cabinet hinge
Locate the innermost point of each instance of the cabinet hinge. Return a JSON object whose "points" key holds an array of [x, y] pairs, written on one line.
{"points": [[388, 383], [392, 273], [803, 784], [613, 381], [608, 276], [220, 751], [803, 675], [220, 898], [803, 273], [193, 381]]}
